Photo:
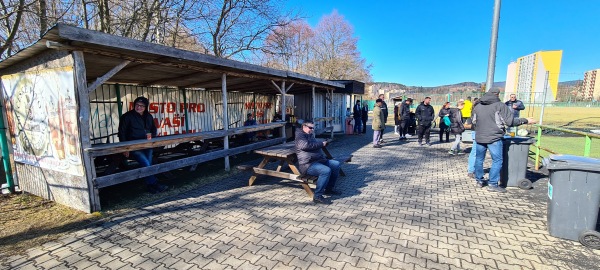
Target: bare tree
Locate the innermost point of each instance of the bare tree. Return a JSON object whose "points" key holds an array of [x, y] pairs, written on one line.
{"points": [[336, 53], [12, 12], [289, 47], [328, 52], [234, 27]]}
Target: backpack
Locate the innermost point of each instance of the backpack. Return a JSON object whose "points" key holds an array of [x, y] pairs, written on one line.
{"points": [[447, 121]]}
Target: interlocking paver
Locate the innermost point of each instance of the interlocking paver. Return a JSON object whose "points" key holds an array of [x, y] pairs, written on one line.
{"points": [[403, 207]]}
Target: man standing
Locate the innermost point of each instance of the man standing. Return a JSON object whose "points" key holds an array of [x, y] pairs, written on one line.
{"points": [[466, 110], [312, 161], [489, 118], [384, 110], [425, 115], [397, 117], [405, 113], [515, 105], [364, 116], [357, 112], [138, 124], [378, 123]]}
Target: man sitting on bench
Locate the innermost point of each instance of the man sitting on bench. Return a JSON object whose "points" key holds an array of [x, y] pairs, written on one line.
{"points": [[312, 161], [138, 124]]}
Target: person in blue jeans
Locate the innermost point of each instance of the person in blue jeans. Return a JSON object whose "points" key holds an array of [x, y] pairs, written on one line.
{"points": [[138, 124], [472, 155], [312, 161], [490, 118]]}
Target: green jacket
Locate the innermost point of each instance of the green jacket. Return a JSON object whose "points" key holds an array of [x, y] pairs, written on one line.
{"points": [[378, 120]]}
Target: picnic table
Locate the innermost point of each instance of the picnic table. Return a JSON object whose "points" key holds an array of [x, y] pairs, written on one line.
{"points": [[286, 154]]}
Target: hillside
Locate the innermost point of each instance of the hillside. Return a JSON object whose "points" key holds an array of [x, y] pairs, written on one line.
{"points": [[397, 89]]}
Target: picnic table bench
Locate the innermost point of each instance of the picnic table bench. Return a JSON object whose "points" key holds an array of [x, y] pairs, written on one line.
{"points": [[286, 154]]}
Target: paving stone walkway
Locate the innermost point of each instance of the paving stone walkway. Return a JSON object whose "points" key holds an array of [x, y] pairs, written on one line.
{"points": [[403, 207]]}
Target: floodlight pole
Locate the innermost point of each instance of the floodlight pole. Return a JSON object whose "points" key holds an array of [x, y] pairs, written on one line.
{"points": [[493, 42]]}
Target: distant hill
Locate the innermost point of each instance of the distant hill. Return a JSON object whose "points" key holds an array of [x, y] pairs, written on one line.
{"points": [[398, 89]]}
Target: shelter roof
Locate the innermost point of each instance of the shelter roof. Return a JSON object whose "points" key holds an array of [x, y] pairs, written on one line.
{"points": [[153, 64]]}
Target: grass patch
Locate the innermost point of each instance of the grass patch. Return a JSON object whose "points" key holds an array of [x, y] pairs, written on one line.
{"points": [[568, 145]]}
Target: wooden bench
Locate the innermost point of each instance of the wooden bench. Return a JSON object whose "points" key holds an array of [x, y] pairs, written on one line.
{"points": [[286, 154]]}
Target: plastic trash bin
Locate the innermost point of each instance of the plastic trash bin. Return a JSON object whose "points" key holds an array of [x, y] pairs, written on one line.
{"points": [[574, 198], [349, 126], [514, 162]]}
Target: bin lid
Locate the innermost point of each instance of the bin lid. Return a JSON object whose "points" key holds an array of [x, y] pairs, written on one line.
{"points": [[571, 162], [518, 140]]}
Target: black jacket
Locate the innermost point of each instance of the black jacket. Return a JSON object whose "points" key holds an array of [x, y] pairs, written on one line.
{"points": [[405, 111], [357, 111], [384, 110], [133, 126], [308, 150], [520, 107], [490, 116], [443, 112], [365, 113], [425, 114], [456, 126]]}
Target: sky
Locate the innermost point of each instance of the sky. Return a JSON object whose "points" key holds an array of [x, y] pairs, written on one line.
{"points": [[440, 42]]}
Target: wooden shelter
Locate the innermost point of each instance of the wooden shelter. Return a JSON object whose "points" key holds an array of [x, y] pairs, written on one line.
{"points": [[62, 98]]}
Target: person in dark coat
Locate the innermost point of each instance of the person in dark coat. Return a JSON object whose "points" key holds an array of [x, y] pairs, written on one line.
{"points": [[397, 117], [384, 111], [405, 123], [312, 161], [138, 124], [490, 117], [364, 116], [456, 127], [445, 111], [425, 115], [356, 113]]}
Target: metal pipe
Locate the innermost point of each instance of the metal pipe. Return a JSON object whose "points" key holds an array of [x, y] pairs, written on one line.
{"points": [[494, 40], [5, 153], [544, 98]]}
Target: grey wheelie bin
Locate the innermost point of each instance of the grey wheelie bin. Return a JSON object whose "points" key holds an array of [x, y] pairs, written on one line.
{"points": [[574, 198], [514, 162]]}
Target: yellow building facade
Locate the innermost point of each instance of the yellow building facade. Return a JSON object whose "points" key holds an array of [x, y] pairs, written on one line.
{"points": [[535, 76]]}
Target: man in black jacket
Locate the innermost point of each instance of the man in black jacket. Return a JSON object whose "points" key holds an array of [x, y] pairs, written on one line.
{"points": [[405, 114], [312, 161], [384, 110], [138, 124], [425, 115], [490, 118], [357, 114]]}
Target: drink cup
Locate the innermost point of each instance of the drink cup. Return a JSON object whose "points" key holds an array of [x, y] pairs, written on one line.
{"points": [[148, 136]]}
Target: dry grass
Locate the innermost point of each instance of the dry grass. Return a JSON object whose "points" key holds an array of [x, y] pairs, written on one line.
{"points": [[29, 221]]}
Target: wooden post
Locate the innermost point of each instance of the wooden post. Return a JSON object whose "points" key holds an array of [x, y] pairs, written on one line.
{"points": [[83, 98], [282, 90], [314, 106], [225, 118]]}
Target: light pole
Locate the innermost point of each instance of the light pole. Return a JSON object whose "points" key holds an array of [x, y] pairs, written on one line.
{"points": [[493, 42]]}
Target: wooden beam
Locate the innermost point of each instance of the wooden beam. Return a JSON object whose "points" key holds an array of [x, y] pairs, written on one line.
{"points": [[122, 177], [120, 147], [83, 100], [175, 79], [225, 117], [107, 76], [278, 88]]}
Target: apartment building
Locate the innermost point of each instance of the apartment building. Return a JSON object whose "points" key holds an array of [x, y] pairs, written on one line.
{"points": [[591, 85], [535, 76]]}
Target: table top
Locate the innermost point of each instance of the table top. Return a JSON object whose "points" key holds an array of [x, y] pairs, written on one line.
{"points": [[280, 150]]}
